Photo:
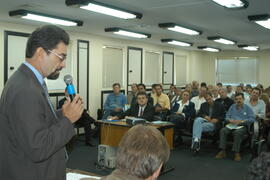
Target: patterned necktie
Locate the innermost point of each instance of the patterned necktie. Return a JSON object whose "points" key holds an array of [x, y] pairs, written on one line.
{"points": [[141, 112], [52, 108]]}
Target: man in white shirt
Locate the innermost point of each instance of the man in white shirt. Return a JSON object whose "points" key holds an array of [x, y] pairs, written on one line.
{"points": [[230, 92], [198, 100]]}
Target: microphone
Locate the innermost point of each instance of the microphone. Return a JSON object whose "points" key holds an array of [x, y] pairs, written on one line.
{"points": [[70, 88]]}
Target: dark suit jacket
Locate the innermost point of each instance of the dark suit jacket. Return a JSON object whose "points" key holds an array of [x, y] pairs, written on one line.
{"points": [[227, 102], [33, 137], [188, 110], [218, 111], [133, 111]]}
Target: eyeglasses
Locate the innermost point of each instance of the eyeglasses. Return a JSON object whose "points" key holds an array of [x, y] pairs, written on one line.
{"points": [[61, 56]]}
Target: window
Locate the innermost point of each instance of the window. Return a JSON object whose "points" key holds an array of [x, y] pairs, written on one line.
{"points": [[112, 66], [236, 70]]}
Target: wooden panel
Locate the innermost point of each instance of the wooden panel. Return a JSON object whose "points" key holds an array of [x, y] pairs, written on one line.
{"points": [[111, 135], [112, 132], [168, 133]]}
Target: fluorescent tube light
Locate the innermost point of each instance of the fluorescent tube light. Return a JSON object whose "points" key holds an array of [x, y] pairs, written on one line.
{"points": [[210, 49], [176, 42], [128, 33], [248, 47], [104, 9], [44, 18], [178, 28], [232, 3], [263, 20], [221, 40]]}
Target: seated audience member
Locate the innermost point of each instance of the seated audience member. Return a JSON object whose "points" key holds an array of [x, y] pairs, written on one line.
{"points": [[180, 113], [260, 86], [224, 99], [210, 87], [256, 104], [176, 97], [140, 110], [248, 89], [198, 100], [215, 93], [210, 114], [115, 102], [203, 84], [142, 88], [219, 85], [230, 92], [153, 91], [132, 94], [259, 168], [240, 89], [86, 120], [161, 102], [171, 93], [267, 91], [141, 154], [265, 99], [188, 88], [239, 117], [194, 89]]}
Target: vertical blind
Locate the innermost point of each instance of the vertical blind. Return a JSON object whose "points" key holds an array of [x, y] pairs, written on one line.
{"points": [[112, 66], [234, 71]]}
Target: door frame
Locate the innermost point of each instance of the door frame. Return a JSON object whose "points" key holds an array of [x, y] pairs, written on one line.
{"points": [[166, 52], [6, 34]]}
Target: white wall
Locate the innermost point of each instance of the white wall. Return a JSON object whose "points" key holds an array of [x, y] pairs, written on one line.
{"points": [[200, 65]]}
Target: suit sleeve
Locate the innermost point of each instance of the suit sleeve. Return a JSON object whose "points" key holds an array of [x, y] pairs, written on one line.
{"points": [[38, 135], [149, 114]]}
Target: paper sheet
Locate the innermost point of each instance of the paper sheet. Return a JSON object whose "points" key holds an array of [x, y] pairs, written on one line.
{"points": [[76, 176]]}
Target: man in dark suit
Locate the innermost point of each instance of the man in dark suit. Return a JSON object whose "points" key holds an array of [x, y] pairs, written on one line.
{"points": [[141, 110], [32, 132], [141, 88], [210, 115], [85, 120]]}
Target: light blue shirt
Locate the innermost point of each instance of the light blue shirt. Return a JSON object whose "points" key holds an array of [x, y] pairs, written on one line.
{"points": [[113, 101], [36, 72], [258, 109], [245, 113]]}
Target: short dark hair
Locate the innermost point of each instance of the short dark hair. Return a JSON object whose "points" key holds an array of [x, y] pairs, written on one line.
{"points": [[116, 84], [158, 85], [47, 37], [240, 86], [219, 84], [142, 150], [203, 84], [240, 94], [142, 94], [141, 85], [257, 89], [153, 85], [229, 86]]}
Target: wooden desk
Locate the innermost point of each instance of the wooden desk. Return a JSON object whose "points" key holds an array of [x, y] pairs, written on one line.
{"points": [[112, 132]]}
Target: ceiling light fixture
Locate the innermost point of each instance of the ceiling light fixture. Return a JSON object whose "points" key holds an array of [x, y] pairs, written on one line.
{"points": [[232, 4], [210, 49], [129, 33], [221, 40], [263, 20], [178, 28], [25, 14], [176, 42], [103, 9], [248, 47]]}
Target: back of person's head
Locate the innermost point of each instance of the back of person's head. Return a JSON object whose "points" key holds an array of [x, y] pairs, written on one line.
{"points": [[260, 168], [142, 151], [46, 37]]}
